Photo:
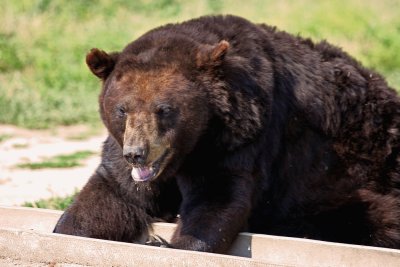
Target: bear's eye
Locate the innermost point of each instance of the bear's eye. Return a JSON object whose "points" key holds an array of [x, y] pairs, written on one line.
{"points": [[121, 112], [163, 110]]}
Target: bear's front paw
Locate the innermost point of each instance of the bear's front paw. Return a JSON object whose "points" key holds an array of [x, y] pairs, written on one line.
{"points": [[157, 241]]}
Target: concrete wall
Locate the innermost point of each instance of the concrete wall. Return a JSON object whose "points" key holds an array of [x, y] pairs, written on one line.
{"points": [[26, 240]]}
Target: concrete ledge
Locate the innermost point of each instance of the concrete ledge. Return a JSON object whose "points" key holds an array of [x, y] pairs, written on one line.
{"points": [[26, 239]]}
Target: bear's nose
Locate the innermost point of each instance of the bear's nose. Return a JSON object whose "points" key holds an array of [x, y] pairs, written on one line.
{"points": [[135, 154]]}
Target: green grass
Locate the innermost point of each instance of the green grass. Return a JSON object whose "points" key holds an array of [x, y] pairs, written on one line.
{"points": [[54, 203], [20, 146], [60, 161], [44, 81], [4, 137], [84, 134]]}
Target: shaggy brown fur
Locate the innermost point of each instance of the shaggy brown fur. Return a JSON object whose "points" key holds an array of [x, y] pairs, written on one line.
{"points": [[244, 128]]}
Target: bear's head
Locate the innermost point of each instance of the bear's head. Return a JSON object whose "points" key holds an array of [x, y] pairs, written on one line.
{"points": [[156, 101]]}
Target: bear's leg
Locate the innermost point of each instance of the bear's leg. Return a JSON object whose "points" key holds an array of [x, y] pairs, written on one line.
{"points": [[383, 215], [212, 213], [99, 211]]}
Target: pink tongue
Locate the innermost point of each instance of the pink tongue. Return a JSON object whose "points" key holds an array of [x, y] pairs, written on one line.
{"points": [[141, 174], [144, 172]]}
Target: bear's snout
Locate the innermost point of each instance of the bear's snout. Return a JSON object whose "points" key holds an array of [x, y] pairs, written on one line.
{"points": [[135, 155]]}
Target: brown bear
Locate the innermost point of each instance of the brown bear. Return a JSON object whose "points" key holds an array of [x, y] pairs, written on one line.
{"points": [[236, 127]]}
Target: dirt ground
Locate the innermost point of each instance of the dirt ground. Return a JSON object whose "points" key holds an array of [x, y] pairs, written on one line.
{"points": [[21, 146]]}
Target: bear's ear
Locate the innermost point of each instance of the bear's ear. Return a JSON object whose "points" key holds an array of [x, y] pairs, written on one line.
{"points": [[100, 63], [211, 54]]}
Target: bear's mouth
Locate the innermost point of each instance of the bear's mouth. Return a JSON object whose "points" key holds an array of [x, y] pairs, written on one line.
{"points": [[142, 174], [147, 173]]}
